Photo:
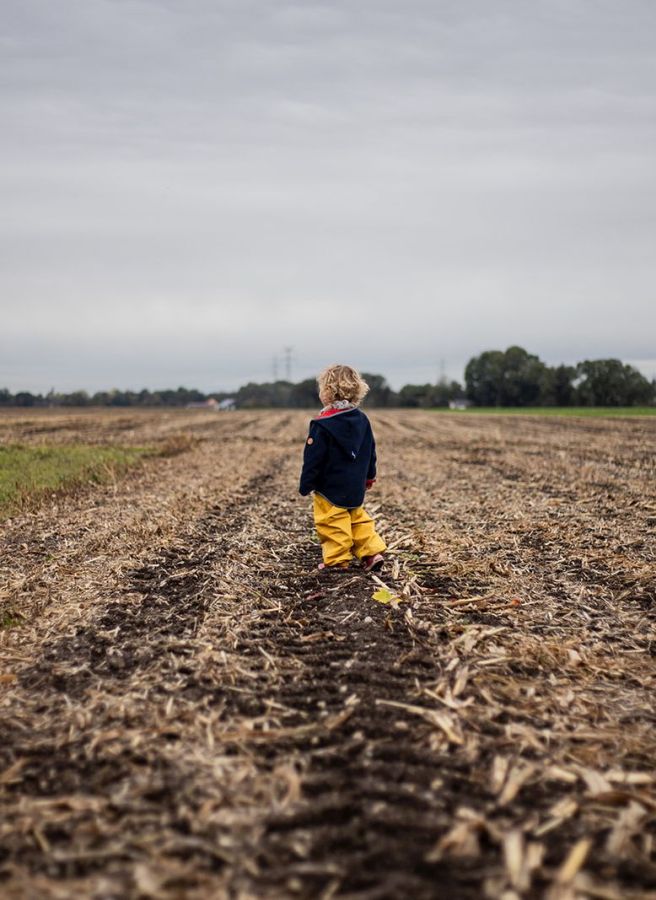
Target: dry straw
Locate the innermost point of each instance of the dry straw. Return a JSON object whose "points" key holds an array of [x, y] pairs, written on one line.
{"points": [[189, 710]]}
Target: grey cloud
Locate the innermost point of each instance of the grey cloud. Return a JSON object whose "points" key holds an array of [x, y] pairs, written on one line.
{"points": [[187, 187]]}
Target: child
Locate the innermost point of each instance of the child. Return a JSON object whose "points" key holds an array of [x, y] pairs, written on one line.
{"points": [[339, 464]]}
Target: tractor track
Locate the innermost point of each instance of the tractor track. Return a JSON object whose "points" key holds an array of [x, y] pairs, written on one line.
{"points": [[372, 805]]}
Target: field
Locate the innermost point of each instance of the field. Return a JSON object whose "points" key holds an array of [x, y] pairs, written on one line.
{"points": [[189, 709]]}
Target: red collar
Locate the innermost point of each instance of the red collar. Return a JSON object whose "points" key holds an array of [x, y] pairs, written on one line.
{"points": [[330, 412]]}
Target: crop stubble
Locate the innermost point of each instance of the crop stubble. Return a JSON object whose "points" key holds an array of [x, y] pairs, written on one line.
{"points": [[190, 710]]}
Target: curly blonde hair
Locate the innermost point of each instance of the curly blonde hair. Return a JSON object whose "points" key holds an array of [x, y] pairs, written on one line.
{"points": [[341, 383]]}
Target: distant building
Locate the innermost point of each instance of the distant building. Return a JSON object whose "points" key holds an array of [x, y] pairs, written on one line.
{"points": [[459, 404], [211, 403], [222, 405]]}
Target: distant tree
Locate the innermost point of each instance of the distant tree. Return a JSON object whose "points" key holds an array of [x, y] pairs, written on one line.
{"points": [[168, 397], [262, 396], [118, 398], [416, 395], [557, 386], [25, 398], [380, 393], [77, 398], [510, 378], [522, 376], [484, 378], [145, 398], [304, 394], [189, 395], [444, 392], [426, 396], [610, 382]]}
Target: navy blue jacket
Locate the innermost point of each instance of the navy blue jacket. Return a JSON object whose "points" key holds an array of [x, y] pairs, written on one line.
{"points": [[339, 458]]}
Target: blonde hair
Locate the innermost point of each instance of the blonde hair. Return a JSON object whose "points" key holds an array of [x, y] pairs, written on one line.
{"points": [[341, 383]]}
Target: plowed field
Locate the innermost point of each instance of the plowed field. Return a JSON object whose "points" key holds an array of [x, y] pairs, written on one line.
{"points": [[189, 709]]}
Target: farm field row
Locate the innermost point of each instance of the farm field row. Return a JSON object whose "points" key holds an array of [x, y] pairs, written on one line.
{"points": [[190, 709]]}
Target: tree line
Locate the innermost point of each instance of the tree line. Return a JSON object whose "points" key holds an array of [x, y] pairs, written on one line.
{"points": [[515, 377], [497, 378]]}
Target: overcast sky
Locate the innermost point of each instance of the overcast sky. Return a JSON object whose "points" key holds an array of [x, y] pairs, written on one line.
{"points": [[189, 186]]}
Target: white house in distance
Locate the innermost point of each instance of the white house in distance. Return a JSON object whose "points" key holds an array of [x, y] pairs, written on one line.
{"points": [[211, 403], [459, 404]]}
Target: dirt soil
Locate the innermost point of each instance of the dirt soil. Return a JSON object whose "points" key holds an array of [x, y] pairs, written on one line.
{"points": [[189, 709]]}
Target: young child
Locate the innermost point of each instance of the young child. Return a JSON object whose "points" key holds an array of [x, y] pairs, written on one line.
{"points": [[339, 464]]}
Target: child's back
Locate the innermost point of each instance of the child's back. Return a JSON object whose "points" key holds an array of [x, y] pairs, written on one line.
{"points": [[339, 464], [340, 457]]}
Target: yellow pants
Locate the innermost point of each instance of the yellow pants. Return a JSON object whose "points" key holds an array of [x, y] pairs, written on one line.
{"points": [[345, 532]]}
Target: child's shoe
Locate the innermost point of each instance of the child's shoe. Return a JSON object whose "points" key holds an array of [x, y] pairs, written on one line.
{"points": [[373, 563], [339, 566]]}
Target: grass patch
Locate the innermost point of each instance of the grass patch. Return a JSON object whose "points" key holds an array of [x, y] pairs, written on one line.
{"points": [[604, 412], [29, 473], [9, 619]]}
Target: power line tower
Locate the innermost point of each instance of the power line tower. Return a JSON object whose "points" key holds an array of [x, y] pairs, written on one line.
{"points": [[288, 353]]}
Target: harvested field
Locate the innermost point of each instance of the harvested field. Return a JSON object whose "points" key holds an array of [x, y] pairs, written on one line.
{"points": [[190, 710]]}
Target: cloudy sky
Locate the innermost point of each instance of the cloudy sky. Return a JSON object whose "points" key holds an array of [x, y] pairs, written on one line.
{"points": [[189, 186]]}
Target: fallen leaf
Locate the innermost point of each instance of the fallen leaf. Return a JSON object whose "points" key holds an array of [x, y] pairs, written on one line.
{"points": [[382, 595]]}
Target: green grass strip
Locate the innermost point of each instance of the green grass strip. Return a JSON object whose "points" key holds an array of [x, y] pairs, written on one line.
{"points": [[28, 473], [603, 412]]}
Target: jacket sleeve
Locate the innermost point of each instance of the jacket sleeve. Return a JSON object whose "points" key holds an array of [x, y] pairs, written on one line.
{"points": [[314, 455], [371, 471]]}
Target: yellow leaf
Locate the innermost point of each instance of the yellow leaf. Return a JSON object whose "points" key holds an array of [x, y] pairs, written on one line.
{"points": [[382, 595]]}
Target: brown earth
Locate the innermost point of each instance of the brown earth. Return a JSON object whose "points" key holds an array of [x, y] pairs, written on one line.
{"points": [[190, 710]]}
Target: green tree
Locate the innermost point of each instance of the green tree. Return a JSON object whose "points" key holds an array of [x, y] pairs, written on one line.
{"points": [[522, 376], [304, 394], [557, 386], [416, 395], [510, 378], [25, 398], [380, 393], [145, 398], [444, 391], [76, 398], [484, 377], [610, 382], [275, 395]]}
